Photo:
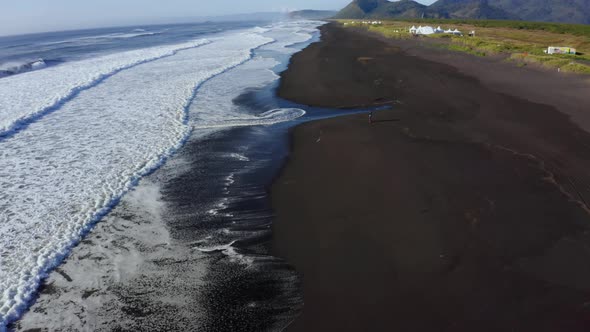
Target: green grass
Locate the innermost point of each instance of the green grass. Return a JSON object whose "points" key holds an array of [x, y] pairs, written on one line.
{"points": [[561, 28], [549, 61], [389, 32], [460, 48], [508, 38], [488, 47]]}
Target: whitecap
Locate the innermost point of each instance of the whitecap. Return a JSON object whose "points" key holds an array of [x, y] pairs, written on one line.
{"points": [[68, 169], [26, 97]]}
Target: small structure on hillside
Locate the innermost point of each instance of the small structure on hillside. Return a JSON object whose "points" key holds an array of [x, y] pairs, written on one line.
{"points": [[425, 30], [560, 50], [372, 22], [428, 30]]}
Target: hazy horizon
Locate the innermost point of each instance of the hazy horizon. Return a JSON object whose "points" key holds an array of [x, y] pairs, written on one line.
{"points": [[36, 16]]}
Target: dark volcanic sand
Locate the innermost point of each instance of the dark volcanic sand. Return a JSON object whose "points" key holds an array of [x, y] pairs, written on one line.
{"points": [[460, 209]]}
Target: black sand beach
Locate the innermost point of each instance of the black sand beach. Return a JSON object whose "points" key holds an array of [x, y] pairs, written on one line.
{"points": [[460, 208]]}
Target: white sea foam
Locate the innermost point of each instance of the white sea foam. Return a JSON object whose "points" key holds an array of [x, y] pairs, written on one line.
{"points": [[65, 171], [118, 35], [266, 118], [291, 33], [238, 156], [27, 96], [12, 68], [214, 106], [260, 29], [130, 35], [122, 255], [69, 167], [230, 251]]}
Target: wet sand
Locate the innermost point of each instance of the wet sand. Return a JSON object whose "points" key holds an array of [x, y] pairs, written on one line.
{"points": [[462, 207]]}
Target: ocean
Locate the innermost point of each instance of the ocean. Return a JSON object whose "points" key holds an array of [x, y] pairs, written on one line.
{"points": [[134, 172]]}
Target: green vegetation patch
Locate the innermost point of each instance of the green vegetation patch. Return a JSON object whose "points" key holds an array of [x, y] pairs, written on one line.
{"points": [[561, 28], [551, 61], [523, 42], [390, 32]]}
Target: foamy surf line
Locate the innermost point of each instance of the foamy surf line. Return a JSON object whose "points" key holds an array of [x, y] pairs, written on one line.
{"points": [[24, 273], [27, 97], [120, 35], [266, 118], [13, 68], [137, 123]]}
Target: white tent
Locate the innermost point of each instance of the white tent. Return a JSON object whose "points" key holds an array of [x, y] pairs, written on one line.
{"points": [[413, 29], [439, 30], [425, 30], [456, 32]]}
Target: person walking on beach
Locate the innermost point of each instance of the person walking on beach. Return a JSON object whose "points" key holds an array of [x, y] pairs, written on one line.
{"points": [[370, 117]]}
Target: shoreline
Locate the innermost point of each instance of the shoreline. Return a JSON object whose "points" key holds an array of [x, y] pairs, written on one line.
{"points": [[161, 259], [462, 207], [187, 248]]}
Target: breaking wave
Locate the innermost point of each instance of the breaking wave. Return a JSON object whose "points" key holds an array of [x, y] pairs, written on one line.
{"points": [[9, 69], [95, 127], [117, 35], [27, 97], [133, 34], [74, 165]]}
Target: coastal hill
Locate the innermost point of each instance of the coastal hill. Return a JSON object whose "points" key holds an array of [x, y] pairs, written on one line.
{"points": [[572, 11], [476, 9], [382, 9]]}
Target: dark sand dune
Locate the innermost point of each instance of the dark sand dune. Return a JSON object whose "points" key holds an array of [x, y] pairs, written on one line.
{"points": [[462, 208]]}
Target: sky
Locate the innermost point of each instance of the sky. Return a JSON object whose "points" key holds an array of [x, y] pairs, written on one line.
{"points": [[28, 16]]}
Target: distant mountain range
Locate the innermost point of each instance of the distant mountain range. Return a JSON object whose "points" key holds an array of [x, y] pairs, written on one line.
{"points": [[382, 9], [566, 11]]}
